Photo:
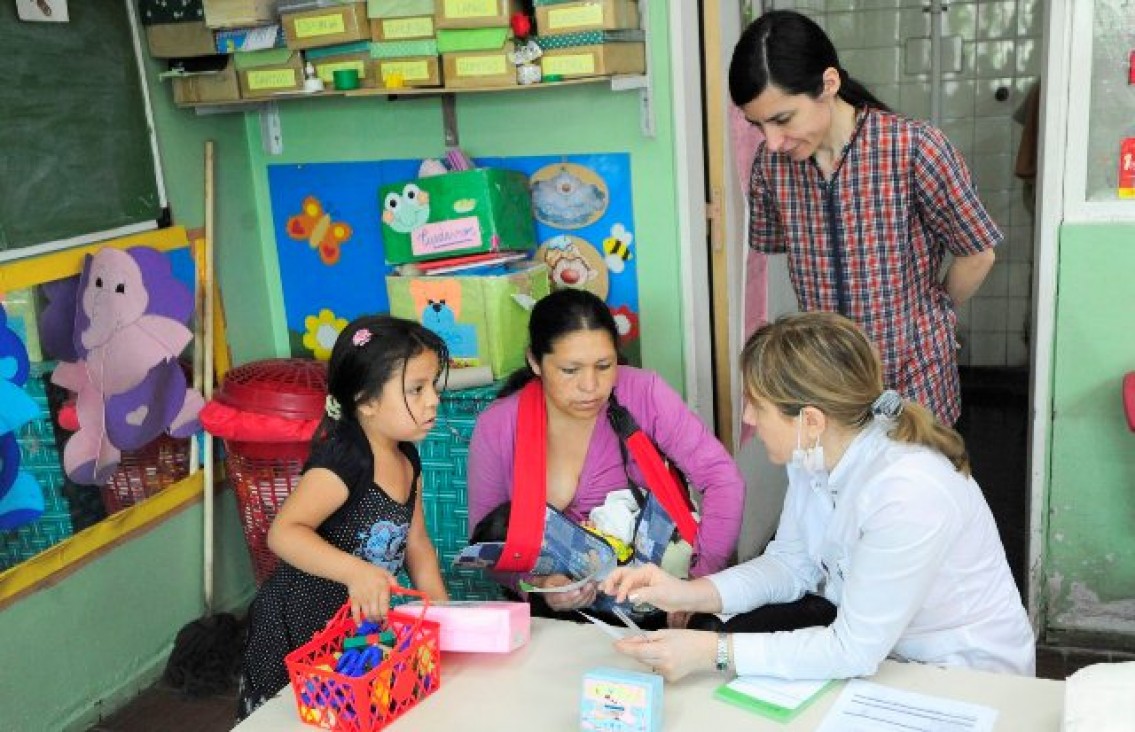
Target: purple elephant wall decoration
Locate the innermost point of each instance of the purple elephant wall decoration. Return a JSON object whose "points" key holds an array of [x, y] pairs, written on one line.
{"points": [[131, 319]]}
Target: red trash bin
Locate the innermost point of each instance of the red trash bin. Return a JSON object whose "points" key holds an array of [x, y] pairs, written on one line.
{"points": [[266, 412]]}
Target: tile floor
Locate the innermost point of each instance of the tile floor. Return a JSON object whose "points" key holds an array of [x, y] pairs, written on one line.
{"points": [[994, 424]]}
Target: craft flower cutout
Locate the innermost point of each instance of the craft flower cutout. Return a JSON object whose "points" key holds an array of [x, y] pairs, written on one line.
{"points": [[626, 320], [322, 330]]}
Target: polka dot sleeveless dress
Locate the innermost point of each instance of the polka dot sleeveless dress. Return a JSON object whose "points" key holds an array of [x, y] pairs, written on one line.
{"points": [[293, 605]]}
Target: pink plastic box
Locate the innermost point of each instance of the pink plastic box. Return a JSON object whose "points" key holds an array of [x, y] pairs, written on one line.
{"points": [[477, 626]]}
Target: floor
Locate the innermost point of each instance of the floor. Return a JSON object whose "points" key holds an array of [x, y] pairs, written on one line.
{"points": [[994, 423]]}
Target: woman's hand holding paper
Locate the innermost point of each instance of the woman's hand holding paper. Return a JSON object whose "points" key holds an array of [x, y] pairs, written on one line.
{"points": [[672, 653]]}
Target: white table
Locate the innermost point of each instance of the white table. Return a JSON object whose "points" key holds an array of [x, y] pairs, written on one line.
{"points": [[538, 688]]}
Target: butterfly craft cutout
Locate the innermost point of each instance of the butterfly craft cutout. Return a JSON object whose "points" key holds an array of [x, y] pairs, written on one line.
{"points": [[314, 225]]}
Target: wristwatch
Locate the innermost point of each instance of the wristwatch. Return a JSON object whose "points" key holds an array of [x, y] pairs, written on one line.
{"points": [[721, 663]]}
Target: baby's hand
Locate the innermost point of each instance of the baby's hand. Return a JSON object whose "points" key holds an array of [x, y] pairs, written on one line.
{"points": [[368, 587]]}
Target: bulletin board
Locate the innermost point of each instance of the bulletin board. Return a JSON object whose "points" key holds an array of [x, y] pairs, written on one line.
{"points": [[333, 265], [76, 155]]}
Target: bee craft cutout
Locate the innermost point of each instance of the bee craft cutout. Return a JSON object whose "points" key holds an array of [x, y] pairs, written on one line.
{"points": [[406, 211], [617, 247], [314, 225]]}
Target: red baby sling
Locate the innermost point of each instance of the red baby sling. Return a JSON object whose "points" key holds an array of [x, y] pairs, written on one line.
{"points": [[530, 478]]}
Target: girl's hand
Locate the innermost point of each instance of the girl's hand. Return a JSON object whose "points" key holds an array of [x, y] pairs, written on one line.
{"points": [[368, 587], [572, 599], [672, 653], [649, 584]]}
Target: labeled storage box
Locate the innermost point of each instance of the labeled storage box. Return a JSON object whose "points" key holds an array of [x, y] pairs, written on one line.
{"points": [[222, 86], [483, 319], [479, 69], [475, 13], [179, 40], [345, 56], [421, 71], [239, 13], [266, 73], [402, 29], [399, 8], [472, 39], [476, 627], [602, 60], [327, 26], [465, 212], [586, 15]]}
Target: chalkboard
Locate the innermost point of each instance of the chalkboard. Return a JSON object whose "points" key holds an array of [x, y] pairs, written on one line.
{"points": [[75, 151]]}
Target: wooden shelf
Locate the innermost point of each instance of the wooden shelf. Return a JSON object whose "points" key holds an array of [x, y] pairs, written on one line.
{"points": [[618, 83]]}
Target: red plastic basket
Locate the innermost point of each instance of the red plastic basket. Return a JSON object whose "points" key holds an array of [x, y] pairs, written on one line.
{"points": [[336, 701], [143, 472], [264, 471]]}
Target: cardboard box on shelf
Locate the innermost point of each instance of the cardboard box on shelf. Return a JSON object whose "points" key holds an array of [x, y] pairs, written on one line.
{"points": [[472, 39], [475, 69], [420, 71], [179, 40], [345, 56], [222, 86], [239, 13], [267, 73], [586, 15], [605, 59], [475, 13], [249, 39], [402, 29], [327, 26]]}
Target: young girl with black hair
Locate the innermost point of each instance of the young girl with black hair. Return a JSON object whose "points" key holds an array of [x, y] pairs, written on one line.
{"points": [[355, 520], [866, 203]]}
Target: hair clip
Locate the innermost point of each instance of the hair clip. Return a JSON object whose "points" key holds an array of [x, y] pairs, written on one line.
{"points": [[888, 405], [361, 337], [332, 408]]}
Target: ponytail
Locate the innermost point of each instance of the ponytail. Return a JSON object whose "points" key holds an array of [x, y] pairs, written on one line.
{"points": [[857, 95], [917, 425]]}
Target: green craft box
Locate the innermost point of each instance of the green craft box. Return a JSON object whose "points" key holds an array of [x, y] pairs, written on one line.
{"points": [[472, 39], [465, 212], [399, 8], [483, 319]]}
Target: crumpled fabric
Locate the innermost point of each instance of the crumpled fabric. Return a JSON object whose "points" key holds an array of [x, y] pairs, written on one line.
{"points": [[616, 517]]}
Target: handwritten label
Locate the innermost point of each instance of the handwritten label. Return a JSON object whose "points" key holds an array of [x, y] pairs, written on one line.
{"points": [[472, 8], [410, 70], [496, 65], [320, 25], [573, 65], [446, 236], [272, 79], [327, 71], [397, 29], [575, 17]]}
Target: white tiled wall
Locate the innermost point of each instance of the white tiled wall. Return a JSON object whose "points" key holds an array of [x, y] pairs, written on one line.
{"points": [[1000, 48]]}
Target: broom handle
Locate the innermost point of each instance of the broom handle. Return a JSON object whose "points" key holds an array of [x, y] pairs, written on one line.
{"points": [[208, 381]]}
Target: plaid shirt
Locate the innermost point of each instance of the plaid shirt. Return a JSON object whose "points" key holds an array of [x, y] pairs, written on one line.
{"points": [[869, 243]]}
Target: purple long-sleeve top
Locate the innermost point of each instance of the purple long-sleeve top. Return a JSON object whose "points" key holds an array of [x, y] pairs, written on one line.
{"points": [[666, 419]]}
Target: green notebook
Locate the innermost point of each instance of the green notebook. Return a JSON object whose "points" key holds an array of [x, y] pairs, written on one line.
{"points": [[777, 699]]}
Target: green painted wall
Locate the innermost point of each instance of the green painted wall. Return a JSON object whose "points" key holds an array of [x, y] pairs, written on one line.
{"points": [[1090, 566]]}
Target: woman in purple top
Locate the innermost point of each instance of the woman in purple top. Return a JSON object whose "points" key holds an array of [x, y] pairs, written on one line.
{"points": [[573, 350]]}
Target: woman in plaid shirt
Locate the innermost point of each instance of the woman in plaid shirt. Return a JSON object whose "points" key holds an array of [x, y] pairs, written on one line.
{"points": [[865, 202]]}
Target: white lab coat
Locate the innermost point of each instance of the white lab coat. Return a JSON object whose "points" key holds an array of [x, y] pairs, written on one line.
{"points": [[906, 548]]}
